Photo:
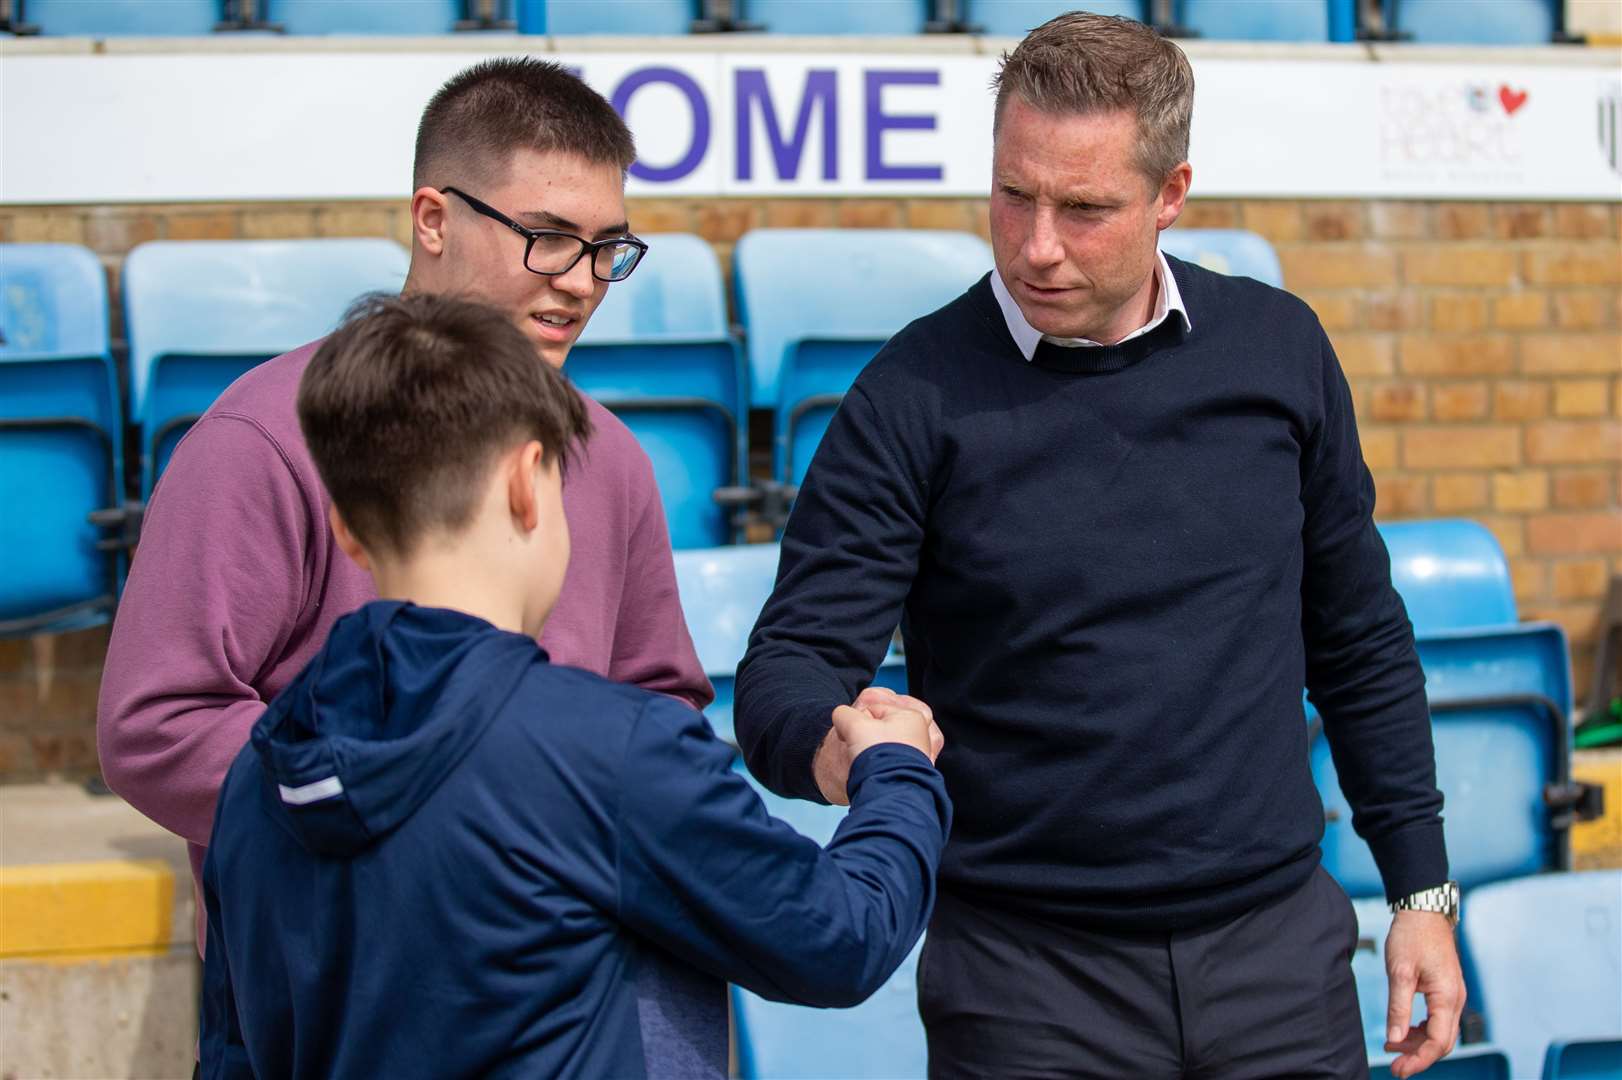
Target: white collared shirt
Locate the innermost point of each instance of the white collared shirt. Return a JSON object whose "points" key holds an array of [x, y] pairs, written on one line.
{"points": [[1167, 300]]}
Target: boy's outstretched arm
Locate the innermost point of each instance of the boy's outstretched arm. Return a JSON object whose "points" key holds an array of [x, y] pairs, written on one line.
{"points": [[707, 874]]}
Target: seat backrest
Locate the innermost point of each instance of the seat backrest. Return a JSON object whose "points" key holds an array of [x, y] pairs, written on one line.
{"points": [[659, 353], [640, 17], [842, 284], [837, 16], [677, 292], [95, 18], [1492, 760], [1225, 251], [1502, 22], [53, 301], [60, 441], [1016, 18], [53, 334], [1547, 952], [1450, 573], [1256, 20], [1478, 1061], [422, 17], [722, 591], [1583, 1059], [255, 298]]}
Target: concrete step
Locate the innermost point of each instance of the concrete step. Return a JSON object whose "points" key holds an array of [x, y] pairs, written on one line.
{"points": [[98, 958]]}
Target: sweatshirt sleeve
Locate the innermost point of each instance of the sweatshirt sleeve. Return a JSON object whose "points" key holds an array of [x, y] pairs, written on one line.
{"points": [[214, 593], [652, 646], [706, 873], [849, 556], [1363, 672]]}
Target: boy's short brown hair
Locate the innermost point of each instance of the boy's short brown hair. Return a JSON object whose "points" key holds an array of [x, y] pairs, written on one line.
{"points": [[486, 113], [407, 403]]}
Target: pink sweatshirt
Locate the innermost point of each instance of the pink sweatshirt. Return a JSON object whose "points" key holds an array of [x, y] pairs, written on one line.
{"points": [[237, 581]]}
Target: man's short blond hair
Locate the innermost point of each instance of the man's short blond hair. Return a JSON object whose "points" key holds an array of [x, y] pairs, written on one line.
{"points": [[1083, 63]]}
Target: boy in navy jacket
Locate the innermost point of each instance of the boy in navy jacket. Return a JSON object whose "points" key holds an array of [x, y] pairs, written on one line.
{"points": [[442, 856]]}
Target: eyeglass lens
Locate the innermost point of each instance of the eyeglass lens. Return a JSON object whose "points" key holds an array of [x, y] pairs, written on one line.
{"points": [[554, 253]]}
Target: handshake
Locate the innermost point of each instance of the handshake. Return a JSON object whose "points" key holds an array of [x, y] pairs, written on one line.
{"points": [[877, 716]]}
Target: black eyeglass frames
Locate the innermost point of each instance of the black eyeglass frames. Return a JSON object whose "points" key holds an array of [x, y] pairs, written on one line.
{"points": [[548, 252]]}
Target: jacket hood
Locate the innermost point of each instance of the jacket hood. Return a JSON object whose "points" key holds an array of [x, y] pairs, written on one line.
{"points": [[386, 711]]}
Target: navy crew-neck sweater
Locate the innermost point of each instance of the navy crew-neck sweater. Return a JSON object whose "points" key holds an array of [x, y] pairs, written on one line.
{"points": [[1114, 569]]}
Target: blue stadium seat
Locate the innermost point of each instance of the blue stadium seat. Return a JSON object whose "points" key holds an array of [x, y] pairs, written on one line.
{"points": [[659, 353], [722, 591], [1256, 20], [416, 17], [620, 16], [1547, 954], [1470, 22], [201, 312], [881, 1038], [1500, 693], [61, 440], [1499, 701], [1451, 574], [810, 333], [1477, 1062], [837, 16], [97, 18], [1583, 1059], [1016, 18], [1226, 251]]}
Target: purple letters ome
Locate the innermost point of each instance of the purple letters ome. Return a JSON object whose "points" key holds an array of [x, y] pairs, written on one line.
{"points": [[796, 124]]}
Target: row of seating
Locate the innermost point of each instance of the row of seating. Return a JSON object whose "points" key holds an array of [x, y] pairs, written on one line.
{"points": [[660, 351], [1541, 946], [1501, 22]]}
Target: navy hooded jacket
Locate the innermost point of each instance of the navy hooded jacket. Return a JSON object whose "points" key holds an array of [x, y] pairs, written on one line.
{"points": [[440, 855]]}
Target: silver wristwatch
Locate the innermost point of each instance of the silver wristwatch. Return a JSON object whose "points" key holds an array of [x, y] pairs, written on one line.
{"points": [[1442, 899]]}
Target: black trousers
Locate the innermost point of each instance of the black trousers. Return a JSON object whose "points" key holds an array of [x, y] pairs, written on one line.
{"points": [[1269, 994]]}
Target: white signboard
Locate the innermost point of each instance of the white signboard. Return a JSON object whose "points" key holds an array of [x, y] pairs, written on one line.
{"points": [[333, 125]]}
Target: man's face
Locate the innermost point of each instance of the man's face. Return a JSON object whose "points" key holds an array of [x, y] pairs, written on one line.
{"points": [[1074, 221], [484, 259]]}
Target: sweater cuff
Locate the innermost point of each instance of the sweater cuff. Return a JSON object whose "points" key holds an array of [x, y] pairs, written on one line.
{"points": [[1411, 859], [797, 752]]}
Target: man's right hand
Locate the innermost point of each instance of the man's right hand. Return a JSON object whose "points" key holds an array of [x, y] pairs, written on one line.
{"points": [[878, 715]]}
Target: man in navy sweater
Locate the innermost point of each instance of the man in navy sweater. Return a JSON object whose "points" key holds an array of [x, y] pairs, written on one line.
{"points": [[443, 856], [1118, 506]]}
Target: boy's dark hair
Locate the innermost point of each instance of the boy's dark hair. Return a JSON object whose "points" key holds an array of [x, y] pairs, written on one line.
{"points": [[406, 404], [478, 119]]}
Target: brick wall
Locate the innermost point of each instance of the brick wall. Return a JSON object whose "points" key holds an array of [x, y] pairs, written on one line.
{"points": [[1483, 343]]}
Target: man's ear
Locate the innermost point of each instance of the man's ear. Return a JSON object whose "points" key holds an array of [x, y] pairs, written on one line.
{"points": [[428, 213], [1173, 194], [523, 500], [347, 542]]}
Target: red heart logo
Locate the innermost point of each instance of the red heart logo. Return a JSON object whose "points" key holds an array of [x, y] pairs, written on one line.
{"points": [[1511, 99]]}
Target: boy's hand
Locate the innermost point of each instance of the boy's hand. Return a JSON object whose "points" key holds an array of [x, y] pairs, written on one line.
{"points": [[883, 722], [831, 766]]}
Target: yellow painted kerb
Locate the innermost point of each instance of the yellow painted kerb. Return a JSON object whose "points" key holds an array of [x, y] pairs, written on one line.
{"points": [[86, 909]]}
